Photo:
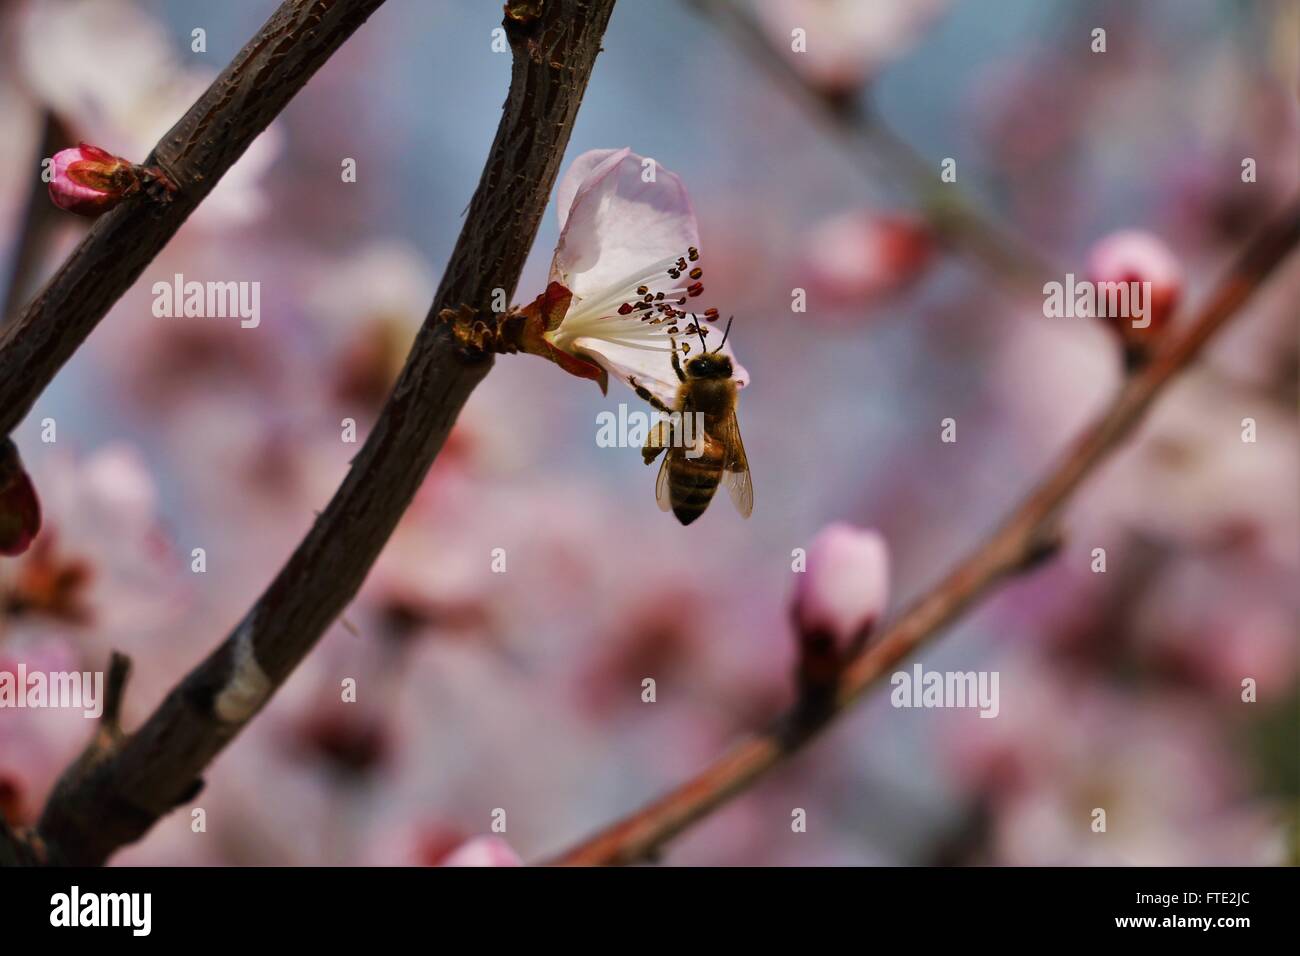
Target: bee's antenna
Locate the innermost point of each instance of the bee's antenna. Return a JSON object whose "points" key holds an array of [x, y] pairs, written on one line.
{"points": [[704, 346], [724, 335]]}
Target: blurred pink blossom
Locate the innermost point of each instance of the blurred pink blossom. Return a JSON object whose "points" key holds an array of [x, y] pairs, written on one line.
{"points": [[1062, 749], [847, 41], [1215, 619], [1191, 478], [483, 851], [368, 307], [860, 256], [102, 572], [36, 744]]}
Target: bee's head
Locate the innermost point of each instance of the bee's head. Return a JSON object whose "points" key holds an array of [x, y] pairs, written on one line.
{"points": [[709, 365]]}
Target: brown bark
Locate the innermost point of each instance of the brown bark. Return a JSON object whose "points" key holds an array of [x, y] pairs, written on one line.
{"points": [[107, 803]]}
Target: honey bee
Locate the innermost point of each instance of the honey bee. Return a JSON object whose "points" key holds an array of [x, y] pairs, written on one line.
{"points": [[695, 465]]}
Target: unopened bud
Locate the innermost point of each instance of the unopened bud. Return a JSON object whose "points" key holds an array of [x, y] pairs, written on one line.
{"points": [[838, 600], [1134, 257], [89, 181]]}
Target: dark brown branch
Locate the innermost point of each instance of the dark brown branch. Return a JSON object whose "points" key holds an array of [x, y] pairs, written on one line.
{"points": [[119, 672], [19, 847], [158, 766], [37, 223], [300, 36], [1007, 551]]}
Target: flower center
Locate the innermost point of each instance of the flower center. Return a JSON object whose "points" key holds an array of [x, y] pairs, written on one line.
{"points": [[641, 311]]}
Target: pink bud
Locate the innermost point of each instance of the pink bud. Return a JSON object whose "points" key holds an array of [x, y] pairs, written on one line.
{"points": [[483, 851], [1132, 255], [20, 509], [89, 181], [846, 585]]}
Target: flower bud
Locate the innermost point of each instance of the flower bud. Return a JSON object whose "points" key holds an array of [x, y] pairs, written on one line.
{"points": [[20, 509], [845, 587], [483, 851], [89, 181], [1134, 256]]}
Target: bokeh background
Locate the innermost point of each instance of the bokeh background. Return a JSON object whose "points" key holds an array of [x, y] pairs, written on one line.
{"points": [[522, 690]]}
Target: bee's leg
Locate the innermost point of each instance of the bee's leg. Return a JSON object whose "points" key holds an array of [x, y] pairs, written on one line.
{"points": [[660, 437], [646, 395], [677, 364]]}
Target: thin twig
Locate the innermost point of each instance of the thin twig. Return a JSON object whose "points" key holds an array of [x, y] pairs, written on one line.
{"points": [[261, 80], [37, 224], [952, 217], [1008, 550], [157, 767]]}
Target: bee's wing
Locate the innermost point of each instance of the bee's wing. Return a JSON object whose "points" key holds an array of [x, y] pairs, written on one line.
{"points": [[659, 439], [736, 466], [662, 493]]}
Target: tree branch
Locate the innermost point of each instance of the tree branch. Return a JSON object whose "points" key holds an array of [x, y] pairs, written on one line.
{"points": [[37, 223], [1014, 546], [151, 771], [954, 220], [261, 80]]}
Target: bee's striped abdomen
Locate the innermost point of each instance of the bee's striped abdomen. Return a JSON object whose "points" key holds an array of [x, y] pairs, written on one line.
{"points": [[693, 481]]}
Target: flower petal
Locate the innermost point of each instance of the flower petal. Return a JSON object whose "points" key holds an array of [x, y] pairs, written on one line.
{"points": [[613, 224]]}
